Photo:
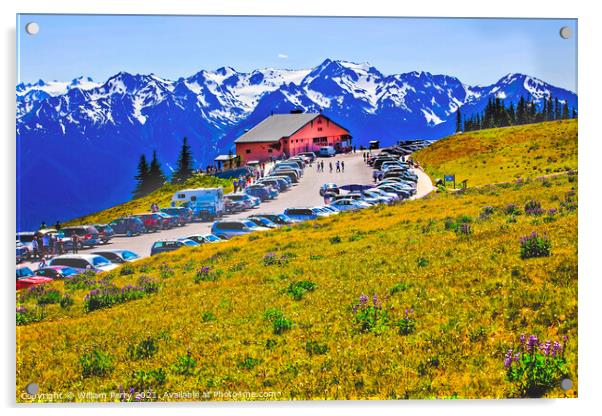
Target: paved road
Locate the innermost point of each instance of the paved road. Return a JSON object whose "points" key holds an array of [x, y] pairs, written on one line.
{"points": [[303, 194]]}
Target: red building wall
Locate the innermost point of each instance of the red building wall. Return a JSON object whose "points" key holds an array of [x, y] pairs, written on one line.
{"points": [[315, 134]]}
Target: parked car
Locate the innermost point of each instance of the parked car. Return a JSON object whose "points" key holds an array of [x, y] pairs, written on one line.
{"points": [[258, 191], [301, 214], [151, 220], [311, 155], [163, 246], [263, 222], [105, 232], [87, 235], [327, 151], [22, 252], [205, 238], [169, 221], [348, 204], [183, 214], [279, 183], [188, 242], [291, 174], [391, 195], [247, 201], [322, 212], [129, 226], [279, 219], [26, 239], [383, 199], [228, 229], [58, 272], [83, 261], [26, 278], [329, 187], [118, 256]]}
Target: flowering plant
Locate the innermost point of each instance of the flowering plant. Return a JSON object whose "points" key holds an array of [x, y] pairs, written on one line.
{"points": [[535, 246], [370, 317], [535, 366]]}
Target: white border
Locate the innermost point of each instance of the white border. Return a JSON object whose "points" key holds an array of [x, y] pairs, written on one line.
{"points": [[590, 94]]}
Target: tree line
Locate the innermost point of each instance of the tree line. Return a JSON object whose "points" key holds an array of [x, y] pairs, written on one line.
{"points": [[150, 176], [496, 114]]}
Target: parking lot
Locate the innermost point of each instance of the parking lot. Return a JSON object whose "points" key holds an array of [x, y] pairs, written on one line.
{"points": [[303, 194]]}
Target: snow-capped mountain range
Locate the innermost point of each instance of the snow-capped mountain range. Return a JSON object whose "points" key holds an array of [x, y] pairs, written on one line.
{"points": [[79, 141]]}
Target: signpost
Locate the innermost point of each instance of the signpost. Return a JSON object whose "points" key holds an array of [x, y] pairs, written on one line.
{"points": [[450, 178]]}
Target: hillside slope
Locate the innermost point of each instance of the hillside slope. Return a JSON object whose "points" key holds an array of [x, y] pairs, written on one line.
{"points": [[275, 313], [504, 154]]}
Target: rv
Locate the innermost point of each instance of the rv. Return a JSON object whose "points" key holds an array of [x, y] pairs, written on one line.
{"points": [[206, 203], [327, 151]]}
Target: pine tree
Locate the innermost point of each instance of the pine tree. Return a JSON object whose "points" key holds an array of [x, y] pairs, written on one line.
{"points": [[512, 114], [141, 178], [574, 113], [521, 111], [556, 109], [184, 164], [565, 111], [156, 177], [550, 109], [458, 121]]}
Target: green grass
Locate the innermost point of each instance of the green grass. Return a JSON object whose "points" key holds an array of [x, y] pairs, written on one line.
{"points": [[504, 154], [472, 295], [161, 196]]}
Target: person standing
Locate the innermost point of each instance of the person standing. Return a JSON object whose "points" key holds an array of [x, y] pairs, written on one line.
{"points": [[51, 245], [322, 166], [330, 166], [34, 247], [338, 164], [343, 166], [74, 242], [57, 226]]}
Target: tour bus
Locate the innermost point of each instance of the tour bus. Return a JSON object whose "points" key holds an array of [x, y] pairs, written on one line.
{"points": [[206, 203]]}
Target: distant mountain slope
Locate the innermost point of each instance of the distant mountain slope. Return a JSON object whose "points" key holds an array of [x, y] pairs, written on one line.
{"points": [[79, 141]]}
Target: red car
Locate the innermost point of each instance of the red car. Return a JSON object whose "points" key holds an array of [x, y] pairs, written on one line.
{"points": [[26, 278], [152, 221]]}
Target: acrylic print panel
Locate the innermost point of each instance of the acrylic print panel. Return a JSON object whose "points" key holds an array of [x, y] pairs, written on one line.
{"points": [[240, 208]]}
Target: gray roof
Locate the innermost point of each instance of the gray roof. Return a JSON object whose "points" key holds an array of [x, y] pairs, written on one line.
{"points": [[224, 157], [276, 127]]}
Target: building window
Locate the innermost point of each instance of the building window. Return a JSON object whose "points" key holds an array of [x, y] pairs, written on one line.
{"points": [[319, 121], [248, 151], [319, 128], [319, 140]]}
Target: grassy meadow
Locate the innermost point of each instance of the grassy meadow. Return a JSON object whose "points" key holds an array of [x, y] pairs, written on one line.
{"points": [[161, 197], [280, 314], [504, 154]]}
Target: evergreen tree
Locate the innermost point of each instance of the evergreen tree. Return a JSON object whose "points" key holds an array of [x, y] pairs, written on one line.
{"points": [[141, 178], [458, 121], [521, 111], [512, 114], [156, 177], [574, 113], [550, 109], [184, 164], [565, 111], [556, 109]]}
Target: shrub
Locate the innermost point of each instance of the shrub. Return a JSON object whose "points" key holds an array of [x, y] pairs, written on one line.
{"points": [[110, 295], [280, 323], [165, 271], [270, 343], [205, 274], [144, 349], [49, 297], [249, 363], [535, 367], [85, 280], [315, 348], [208, 317], [185, 365], [126, 269], [335, 240], [422, 262], [399, 287], [142, 380], [486, 212], [370, 318], [66, 301], [512, 209], [298, 289], [533, 208], [535, 246], [96, 363], [464, 229], [407, 324], [26, 316], [272, 259]]}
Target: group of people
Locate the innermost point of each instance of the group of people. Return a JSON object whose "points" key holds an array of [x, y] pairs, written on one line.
{"points": [[339, 166], [45, 245]]}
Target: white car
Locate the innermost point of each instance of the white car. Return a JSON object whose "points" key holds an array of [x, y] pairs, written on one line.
{"points": [[348, 204], [83, 261]]}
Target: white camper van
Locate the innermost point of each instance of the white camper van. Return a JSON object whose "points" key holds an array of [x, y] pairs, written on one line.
{"points": [[206, 203], [327, 151]]}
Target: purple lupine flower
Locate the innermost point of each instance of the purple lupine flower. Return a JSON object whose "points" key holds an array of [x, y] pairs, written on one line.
{"points": [[556, 348], [522, 338], [375, 300], [508, 359], [565, 338], [545, 347], [552, 211], [533, 341], [363, 299], [21, 309], [517, 356]]}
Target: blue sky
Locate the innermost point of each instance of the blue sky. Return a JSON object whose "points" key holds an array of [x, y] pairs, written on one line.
{"points": [[478, 51]]}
